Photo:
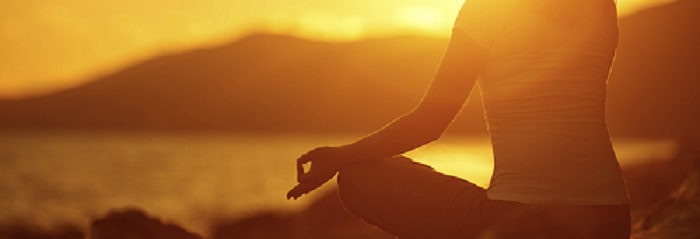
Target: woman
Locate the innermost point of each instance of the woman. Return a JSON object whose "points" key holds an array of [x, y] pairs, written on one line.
{"points": [[542, 66]]}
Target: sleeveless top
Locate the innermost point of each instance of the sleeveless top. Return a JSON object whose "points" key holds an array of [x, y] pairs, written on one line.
{"points": [[544, 94]]}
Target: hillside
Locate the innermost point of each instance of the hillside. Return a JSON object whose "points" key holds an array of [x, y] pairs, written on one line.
{"points": [[259, 83], [269, 83], [654, 88]]}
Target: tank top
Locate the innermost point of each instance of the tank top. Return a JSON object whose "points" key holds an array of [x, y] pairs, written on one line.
{"points": [[544, 94]]}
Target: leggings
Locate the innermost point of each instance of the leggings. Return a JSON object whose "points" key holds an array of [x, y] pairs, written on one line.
{"points": [[411, 200]]}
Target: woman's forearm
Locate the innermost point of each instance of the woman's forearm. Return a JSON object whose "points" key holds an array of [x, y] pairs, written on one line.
{"points": [[402, 135]]}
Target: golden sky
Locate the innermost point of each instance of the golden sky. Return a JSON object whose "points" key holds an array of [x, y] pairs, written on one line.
{"points": [[49, 45]]}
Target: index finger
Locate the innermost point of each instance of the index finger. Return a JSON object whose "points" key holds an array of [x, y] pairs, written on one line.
{"points": [[300, 171], [304, 158], [300, 166]]}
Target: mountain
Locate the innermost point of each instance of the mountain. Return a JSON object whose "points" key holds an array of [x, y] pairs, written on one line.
{"points": [[259, 83], [654, 88], [271, 83]]}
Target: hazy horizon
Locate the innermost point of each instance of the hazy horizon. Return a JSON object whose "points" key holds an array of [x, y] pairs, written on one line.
{"points": [[49, 47]]}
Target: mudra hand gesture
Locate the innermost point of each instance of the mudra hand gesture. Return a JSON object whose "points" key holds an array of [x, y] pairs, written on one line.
{"points": [[325, 163]]}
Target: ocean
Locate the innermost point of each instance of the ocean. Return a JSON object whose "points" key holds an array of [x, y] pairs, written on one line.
{"points": [[49, 178]]}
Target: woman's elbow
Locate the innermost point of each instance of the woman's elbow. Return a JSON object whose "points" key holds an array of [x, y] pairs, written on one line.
{"points": [[432, 132], [429, 125]]}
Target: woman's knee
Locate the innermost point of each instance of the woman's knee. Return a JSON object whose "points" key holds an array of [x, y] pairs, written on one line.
{"points": [[361, 184], [354, 180]]}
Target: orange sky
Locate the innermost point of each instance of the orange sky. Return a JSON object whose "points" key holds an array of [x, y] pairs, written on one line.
{"points": [[49, 45]]}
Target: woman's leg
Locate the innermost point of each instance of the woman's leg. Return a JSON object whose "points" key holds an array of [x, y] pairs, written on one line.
{"points": [[411, 200], [563, 221]]}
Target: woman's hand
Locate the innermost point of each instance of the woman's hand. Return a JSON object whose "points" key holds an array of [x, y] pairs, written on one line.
{"points": [[325, 163]]}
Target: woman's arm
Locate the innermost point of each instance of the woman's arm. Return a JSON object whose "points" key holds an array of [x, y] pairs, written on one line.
{"points": [[445, 97], [449, 90]]}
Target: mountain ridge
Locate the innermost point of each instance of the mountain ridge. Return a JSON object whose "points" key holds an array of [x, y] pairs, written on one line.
{"points": [[277, 83]]}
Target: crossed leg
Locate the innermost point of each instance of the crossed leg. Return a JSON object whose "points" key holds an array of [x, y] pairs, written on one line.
{"points": [[411, 200]]}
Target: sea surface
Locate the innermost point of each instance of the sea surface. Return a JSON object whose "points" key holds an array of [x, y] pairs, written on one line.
{"points": [[67, 177]]}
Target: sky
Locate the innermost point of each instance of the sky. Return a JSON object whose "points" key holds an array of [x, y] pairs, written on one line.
{"points": [[51, 45]]}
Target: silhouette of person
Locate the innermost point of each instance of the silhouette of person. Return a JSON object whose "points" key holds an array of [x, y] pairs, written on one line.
{"points": [[542, 67]]}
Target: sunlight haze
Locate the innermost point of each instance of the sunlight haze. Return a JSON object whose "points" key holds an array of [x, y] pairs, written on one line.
{"points": [[49, 45]]}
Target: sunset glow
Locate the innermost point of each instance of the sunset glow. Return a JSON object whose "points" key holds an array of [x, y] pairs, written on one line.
{"points": [[312, 118], [52, 45], [424, 19]]}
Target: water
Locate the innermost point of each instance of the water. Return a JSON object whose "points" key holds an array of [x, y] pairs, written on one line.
{"points": [[192, 179]]}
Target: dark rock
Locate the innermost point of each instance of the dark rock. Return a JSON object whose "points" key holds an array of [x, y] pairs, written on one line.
{"points": [[678, 214], [29, 232], [136, 224]]}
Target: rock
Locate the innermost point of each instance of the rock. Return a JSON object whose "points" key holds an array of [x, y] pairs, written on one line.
{"points": [[677, 215], [136, 224], [25, 231]]}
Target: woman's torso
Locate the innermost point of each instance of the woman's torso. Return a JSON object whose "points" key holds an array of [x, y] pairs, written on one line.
{"points": [[544, 92]]}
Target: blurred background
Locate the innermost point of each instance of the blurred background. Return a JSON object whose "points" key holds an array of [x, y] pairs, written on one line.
{"points": [[195, 111], [49, 46]]}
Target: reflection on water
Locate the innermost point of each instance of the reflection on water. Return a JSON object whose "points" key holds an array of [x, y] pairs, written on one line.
{"points": [[193, 179]]}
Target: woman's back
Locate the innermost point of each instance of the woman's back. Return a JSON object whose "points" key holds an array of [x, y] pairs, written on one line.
{"points": [[544, 87]]}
